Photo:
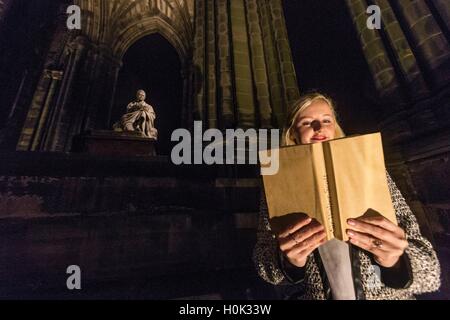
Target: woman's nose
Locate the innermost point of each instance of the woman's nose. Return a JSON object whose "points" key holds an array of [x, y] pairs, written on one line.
{"points": [[316, 125]]}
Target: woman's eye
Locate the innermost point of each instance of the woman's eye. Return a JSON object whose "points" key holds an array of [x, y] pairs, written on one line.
{"points": [[327, 121], [306, 123]]}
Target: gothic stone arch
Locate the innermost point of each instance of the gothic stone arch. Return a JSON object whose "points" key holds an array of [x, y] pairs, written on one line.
{"points": [[93, 56], [117, 24]]}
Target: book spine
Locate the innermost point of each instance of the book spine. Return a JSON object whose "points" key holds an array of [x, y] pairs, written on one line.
{"points": [[323, 200], [328, 215], [334, 204]]}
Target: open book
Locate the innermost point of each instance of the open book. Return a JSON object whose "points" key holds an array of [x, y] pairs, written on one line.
{"points": [[331, 182]]}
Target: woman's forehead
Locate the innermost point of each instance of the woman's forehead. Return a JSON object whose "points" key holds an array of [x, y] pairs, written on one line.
{"points": [[319, 107]]}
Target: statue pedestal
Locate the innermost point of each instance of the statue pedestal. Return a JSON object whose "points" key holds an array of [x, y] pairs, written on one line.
{"points": [[113, 143]]}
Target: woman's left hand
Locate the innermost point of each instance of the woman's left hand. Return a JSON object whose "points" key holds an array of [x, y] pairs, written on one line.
{"points": [[385, 240]]}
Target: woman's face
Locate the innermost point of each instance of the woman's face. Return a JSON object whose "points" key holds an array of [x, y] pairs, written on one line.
{"points": [[316, 123]]}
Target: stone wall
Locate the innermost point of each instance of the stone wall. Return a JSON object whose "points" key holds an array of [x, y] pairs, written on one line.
{"points": [[129, 224]]}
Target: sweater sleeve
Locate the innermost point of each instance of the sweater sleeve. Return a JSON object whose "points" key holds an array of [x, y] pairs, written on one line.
{"points": [[265, 253], [424, 265]]}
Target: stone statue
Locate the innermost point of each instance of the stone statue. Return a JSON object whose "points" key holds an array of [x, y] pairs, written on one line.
{"points": [[140, 118]]}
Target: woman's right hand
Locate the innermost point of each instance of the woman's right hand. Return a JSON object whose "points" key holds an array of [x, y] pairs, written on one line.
{"points": [[299, 239]]}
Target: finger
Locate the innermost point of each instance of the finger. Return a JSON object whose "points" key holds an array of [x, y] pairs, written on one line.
{"points": [[299, 236], [296, 226], [286, 243], [373, 230], [368, 240], [390, 250], [306, 232], [384, 223], [315, 246], [309, 242], [370, 248], [306, 252]]}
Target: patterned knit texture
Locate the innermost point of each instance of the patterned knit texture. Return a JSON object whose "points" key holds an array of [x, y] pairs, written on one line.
{"points": [[424, 263]]}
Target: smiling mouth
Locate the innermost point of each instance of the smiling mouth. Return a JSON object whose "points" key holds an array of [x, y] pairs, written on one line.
{"points": [[319, 138]]}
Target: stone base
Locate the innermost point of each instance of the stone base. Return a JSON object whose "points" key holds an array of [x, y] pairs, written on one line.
{"points": [[113, 143]]}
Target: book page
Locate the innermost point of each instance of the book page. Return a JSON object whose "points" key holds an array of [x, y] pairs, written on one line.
{"points": [[360, 179], [294, 189]]}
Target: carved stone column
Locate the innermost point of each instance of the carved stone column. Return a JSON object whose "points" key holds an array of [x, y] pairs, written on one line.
{"points": [[264, 111], [55, 77], [211, 63], [33, 131], [380, 65], [243, 64], [426, 39], [442, 12], [57, 138], [96, 100], [199, 60], [284, 52], [277, 96], [408, 66], [225, 81], [245, 100], [37, 126]]}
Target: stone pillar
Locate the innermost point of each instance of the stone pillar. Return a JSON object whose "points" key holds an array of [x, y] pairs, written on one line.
{"points": [[57, 138], [245, 101], [55, 76], [243, 66], [380, 65], [94, 98], [32, 131], [442, 8], [226, 83], [407, 62], [259, 66], [277, 97], [426, 39], [284, 52], [199, 59], [89, 95], [211, 85], [43, 94]]}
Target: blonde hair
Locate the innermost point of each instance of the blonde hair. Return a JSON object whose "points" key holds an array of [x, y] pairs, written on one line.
{"points": [[290, 134]]}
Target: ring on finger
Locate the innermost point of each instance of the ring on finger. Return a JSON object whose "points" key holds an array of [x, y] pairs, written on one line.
{"points": [[377, 243]]}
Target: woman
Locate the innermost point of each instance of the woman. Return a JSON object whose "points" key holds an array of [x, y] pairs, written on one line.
{"points": [[387, 261]]}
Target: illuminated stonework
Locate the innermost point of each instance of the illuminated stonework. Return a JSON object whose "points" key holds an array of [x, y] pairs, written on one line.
{"points": [[117, 24], [235, 55]]}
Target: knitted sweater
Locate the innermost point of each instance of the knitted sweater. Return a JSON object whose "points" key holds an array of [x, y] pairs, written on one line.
{"points": [[425, 268]]}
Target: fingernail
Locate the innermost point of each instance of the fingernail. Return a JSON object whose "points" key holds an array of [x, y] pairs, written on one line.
{"points": [[350, 233], [351, 222], [309, 220]]}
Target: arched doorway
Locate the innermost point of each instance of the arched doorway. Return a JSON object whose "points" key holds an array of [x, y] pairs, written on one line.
{"points": [[153, 64]]}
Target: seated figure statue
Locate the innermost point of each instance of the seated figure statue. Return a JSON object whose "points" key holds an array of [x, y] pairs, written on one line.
{"points": [[140, 117]]}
